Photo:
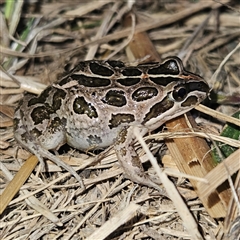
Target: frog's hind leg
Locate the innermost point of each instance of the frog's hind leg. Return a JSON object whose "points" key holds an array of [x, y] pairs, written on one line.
{"points": [[29, 142], [130, 161], [45, 153]]}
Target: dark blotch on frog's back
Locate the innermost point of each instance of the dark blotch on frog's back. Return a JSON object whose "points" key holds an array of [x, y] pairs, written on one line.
{"points": [[115, 98], [121, 118], [80, 106]]}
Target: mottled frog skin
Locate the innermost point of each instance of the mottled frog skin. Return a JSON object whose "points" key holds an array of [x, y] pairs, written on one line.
{"points": [[99, 102]]}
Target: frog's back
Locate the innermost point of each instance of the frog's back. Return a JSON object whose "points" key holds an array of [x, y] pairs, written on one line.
{"points": [[88, 107]]}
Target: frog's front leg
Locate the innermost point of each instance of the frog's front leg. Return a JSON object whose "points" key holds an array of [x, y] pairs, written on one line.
{"points": [[129, 159]]}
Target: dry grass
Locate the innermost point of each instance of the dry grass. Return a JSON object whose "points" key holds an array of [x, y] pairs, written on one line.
{"points": [[50, 204]]}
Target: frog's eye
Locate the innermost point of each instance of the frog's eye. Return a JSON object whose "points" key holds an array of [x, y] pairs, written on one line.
{"points": [[179, 93]]}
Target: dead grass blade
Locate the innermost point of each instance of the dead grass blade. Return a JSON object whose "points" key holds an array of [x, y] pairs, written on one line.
{"points": [[17, 182]]}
